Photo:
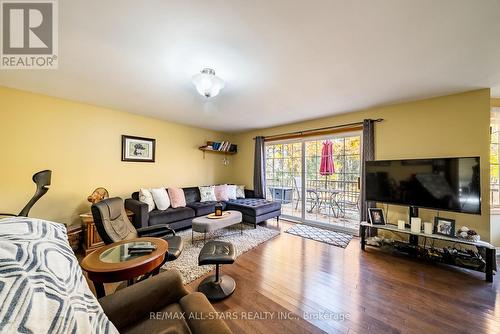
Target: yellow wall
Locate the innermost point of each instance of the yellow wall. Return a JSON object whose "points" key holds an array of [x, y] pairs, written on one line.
{"points": [[81, 144], [455, 125]]}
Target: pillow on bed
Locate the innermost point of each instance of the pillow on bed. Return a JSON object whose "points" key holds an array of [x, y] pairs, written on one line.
{"points": [[207, 194]]}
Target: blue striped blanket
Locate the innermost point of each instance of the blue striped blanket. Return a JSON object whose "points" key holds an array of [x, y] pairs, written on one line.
{"points": [[42, 288]]}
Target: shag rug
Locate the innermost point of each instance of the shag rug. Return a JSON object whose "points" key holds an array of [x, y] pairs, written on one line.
{"points": [[187, 263], [319, 234]]}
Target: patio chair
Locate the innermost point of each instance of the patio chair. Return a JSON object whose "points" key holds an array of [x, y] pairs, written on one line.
{"points": [[354, 203], [312, 194]]}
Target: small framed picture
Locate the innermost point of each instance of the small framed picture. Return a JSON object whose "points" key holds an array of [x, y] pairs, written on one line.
{"points": [[376, 216], [138, 149], [444, 226]]}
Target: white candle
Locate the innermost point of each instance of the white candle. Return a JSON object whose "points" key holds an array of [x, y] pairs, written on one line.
{"points": [[401, 224], [428, 228], [416, 224]]}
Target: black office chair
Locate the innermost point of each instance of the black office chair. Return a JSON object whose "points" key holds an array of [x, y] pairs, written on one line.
{"points": [[42, 181], [113, 225]]}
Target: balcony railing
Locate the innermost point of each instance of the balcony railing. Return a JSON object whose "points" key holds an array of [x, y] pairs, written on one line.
{"points": [[325, 197]]}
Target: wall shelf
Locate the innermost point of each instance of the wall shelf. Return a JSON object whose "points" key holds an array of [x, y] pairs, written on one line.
{"points": [[210, 144], [204, 149]]}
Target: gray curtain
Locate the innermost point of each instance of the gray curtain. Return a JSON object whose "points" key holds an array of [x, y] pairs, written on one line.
{"points": [[367, 154], [259, 170]]}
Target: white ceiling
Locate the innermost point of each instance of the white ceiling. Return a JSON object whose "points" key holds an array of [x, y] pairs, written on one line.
{"points": [[283, 61]]}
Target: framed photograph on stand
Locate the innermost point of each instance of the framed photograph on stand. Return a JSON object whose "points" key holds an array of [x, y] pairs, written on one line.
{"points": [[376, 216], [444, 226]]}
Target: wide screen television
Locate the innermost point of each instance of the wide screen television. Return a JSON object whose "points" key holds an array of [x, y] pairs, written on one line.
{"points": [[451, 184]]}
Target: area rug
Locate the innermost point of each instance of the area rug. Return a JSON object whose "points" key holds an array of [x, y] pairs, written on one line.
{"points": [[319, 234], [187, 263]]}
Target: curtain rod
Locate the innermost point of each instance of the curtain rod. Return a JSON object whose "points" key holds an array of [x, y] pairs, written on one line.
{"points": [[318, 129]]}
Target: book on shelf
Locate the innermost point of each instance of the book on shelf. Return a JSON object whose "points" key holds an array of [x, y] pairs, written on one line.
{"points": [[223, 146]]}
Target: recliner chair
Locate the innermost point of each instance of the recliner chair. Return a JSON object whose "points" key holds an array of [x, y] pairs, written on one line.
{"points": [[113, 225], [162, 304]]}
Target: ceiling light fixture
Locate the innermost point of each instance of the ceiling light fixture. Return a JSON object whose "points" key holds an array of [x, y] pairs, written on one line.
{"points": [[207, 83]]}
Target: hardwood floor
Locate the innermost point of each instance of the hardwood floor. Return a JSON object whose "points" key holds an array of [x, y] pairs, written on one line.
{"points": [[374, 291]]}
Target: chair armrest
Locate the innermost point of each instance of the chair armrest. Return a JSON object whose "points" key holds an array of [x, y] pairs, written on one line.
{"points": [[140, 210], [134, 303], [201, 315], [155, 231]]}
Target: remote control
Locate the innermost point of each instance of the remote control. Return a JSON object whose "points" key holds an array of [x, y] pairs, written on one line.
{"points": [[143, 247], [139, 251]]}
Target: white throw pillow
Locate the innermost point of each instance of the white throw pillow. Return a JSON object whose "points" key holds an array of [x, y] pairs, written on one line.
{"points": [[160, 196], [240, 191], [146, 197], [207, 194], [231, 191]]}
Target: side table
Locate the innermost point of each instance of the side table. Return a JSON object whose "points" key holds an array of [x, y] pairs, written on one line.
{"points": [[113, 263]]}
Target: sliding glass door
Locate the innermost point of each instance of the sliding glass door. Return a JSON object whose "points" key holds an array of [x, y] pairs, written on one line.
{"points": [[283, 171], [317, 179]]}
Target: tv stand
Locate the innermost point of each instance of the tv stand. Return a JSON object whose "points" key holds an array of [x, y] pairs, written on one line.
{"points": [[489, 249]]}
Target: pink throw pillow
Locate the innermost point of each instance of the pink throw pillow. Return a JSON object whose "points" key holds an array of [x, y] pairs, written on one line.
{"points": [[177, 198], [221, 193]]}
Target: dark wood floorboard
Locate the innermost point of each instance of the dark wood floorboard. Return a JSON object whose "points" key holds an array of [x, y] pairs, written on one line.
{"points": [[376, 292]]}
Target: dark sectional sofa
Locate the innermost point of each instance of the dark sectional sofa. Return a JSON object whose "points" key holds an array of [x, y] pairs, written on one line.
{"points": [[254, 210]]}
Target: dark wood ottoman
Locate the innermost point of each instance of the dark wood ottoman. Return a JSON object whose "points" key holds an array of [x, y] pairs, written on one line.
{"points": [[217, 252]]}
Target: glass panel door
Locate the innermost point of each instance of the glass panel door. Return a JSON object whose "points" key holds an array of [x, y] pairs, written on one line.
{"points": [[314, 187], [284, 176], [333, 193]]}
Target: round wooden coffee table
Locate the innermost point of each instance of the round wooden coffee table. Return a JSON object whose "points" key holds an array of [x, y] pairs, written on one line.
{"points": [[113, 263]]}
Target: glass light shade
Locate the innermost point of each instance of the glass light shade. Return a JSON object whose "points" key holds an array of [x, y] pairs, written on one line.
{"points": [[207, 83]]}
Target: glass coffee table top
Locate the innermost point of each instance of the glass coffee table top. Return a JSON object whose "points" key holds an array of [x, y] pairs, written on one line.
{"points": [[120, 253]]}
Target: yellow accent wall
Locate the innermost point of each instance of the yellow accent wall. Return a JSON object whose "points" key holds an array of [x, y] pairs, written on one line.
{"points": [[448, 126], [81, 144]]}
